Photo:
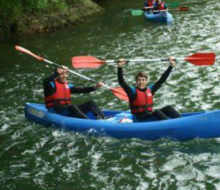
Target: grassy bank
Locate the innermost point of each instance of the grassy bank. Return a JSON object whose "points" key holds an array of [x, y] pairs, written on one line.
{"points": [[31, 16]]}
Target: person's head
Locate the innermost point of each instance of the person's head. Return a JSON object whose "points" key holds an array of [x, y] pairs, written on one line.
{"points": [[141, 80], [158, 1], [62, 77]]}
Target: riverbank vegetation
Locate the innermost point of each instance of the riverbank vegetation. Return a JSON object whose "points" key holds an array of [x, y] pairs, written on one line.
{"points": [[32, 16]]}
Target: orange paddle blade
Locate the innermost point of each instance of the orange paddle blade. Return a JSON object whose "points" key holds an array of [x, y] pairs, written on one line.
{"points": [[120, 93], [23, 50], [82, 62], [201, 59], [183, 8]]}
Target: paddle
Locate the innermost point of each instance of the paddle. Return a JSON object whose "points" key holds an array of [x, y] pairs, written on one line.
{"points": [[182, 8], [138, 12], [198, 59], [118, 92], [174, 5]]}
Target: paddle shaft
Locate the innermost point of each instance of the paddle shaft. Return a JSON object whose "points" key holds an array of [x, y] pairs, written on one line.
{"points": [[23, 50], [177, 9], [143, 60], [71, 71], [75, 73], [151, 7], [140, 12], [117, 92]]}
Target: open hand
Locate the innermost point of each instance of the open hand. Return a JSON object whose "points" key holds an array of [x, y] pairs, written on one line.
{"points": [[99, 84], [172, 61], [62, 70], [121, 62]]}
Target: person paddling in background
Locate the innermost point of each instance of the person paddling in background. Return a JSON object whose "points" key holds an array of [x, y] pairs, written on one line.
{"points": [[57, 95], [159, 6], [141, 96], [148, 5]]}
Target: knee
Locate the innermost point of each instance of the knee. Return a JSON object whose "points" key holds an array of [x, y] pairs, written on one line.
{"points": [[160, 115], [168, 107], [158, 112], [91, 102], [73, 107]]}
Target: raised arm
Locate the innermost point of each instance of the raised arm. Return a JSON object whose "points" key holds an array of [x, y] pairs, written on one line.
{"points": [[164, 76], [121, 81]]}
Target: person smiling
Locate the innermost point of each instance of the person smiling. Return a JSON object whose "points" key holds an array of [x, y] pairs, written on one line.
{"points": [[141, 96], [57, 95]]}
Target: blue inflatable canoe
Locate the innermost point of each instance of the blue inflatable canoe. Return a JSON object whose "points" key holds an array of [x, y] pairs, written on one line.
{"points": [[163, 17], [204, 124]]}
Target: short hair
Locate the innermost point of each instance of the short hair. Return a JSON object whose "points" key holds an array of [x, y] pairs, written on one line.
{"points": [[142, 74]]}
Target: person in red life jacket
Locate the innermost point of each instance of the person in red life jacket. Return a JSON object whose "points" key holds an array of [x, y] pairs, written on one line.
{"points": [[141, 96], [159, 6], [149, 5], [57, 95]]}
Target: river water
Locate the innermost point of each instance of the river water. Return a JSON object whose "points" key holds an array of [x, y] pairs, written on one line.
{"points": [[36, 157]]}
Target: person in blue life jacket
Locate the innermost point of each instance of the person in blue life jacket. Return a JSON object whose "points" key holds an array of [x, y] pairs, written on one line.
{"points": [[159, 5], [148, 5], [141, 96], [57, 96]]}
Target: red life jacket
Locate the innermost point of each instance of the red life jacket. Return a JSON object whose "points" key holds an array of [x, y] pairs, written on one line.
{"points": [[161, 6], [61, 96], [143, 102], [150, 3]]}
